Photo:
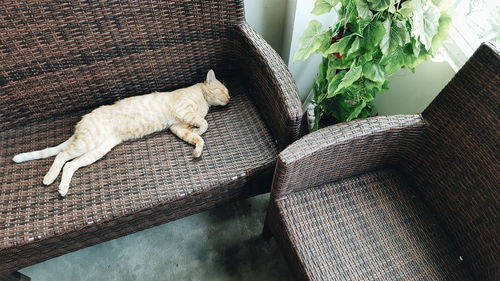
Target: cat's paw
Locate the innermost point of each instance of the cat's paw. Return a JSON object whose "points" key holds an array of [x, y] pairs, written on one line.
{"points": [[197, 152], [49, 179], [198, 147], [63, 189]]}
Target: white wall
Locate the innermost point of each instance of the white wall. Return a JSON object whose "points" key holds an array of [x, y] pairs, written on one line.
{"points": [[267, 17], [412, 93], [281, 23], [303, 72]]}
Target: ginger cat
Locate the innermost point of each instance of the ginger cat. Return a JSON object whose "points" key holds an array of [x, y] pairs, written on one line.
{"points": [[182, 111]]}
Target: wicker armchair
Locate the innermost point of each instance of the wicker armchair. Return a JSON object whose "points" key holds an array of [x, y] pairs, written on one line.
{"points": [[60, 59], [406, 197]]}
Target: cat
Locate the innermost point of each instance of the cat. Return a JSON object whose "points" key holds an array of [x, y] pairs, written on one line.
{"points": [[182, 111]]}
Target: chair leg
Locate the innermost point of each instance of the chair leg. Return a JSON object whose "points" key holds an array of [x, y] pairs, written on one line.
{"points": [[15, 276]]}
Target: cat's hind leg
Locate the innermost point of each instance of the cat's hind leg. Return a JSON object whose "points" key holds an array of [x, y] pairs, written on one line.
{"points": [[186, 134], [57, 165], [84, 160], [77, 147]]}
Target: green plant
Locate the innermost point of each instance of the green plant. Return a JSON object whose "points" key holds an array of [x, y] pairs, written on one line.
{"points": [[371, 40]]}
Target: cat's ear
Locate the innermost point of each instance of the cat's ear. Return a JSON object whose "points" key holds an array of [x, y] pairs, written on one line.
{"points": [[211, 77]]}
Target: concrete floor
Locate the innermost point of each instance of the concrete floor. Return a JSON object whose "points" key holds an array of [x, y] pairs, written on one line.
{"points": [[220, 244]]}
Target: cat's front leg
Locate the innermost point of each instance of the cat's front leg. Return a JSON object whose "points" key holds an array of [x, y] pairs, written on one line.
{"points": [[185, 133], [199, 123]]}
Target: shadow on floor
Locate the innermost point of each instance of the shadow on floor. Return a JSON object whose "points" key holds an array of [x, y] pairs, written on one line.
{"points": [[220, 244]]}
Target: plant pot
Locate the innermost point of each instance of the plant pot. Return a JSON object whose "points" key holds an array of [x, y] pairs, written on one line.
{"points": [[325, 121]]}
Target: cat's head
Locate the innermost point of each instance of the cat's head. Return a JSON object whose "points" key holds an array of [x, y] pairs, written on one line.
{"points": [[216, 93]]}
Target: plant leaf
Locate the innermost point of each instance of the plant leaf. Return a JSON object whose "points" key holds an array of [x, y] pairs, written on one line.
{"points": [[323, 6], [442, 3], [380, 38], [373, 34], [325, 39], [425, 24], [396, 36], [341, 46], [442, 34], [310, 41], [363, 9], [415, 46], [356, 110], [355, 45], [331, 68], [342, 63], [348, 10], [350, 77], [407, 8], [395, 61], [361, 24], [334, 83], [321, 83], [317, 116], [367, 56], [380, 5], [373, 72], [339, 108]]}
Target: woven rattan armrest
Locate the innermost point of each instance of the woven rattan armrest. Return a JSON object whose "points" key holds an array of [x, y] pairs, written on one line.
{"points": [[344, 150], [273, 86]]}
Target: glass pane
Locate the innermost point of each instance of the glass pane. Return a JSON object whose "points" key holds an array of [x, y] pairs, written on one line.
{"points": [[478, 21]]}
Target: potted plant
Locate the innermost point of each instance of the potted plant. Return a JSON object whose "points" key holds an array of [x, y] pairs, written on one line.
{"points": [[371, 40]]}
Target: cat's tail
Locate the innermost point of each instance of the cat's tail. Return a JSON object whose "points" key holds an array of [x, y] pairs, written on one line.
{"points": [[40, 154]]}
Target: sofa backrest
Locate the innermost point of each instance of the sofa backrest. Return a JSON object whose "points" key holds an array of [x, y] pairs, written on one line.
{"points": [[458, 170], [61, 56]]}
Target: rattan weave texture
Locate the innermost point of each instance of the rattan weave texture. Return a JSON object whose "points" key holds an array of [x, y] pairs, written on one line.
{"points": [[432, 216], [371, 226], [60, 59], [362, 145], [61, 56], [458, 170], [284, 114], [148, 173]]}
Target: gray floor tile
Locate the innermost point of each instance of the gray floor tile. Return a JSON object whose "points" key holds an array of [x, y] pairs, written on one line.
{"points": [[220, 244]]}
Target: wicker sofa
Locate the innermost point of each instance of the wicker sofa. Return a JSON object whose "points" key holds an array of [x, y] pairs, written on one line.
{"points": [[406, 197], [60, 59]]}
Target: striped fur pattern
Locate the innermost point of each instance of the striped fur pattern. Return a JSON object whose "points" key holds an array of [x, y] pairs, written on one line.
{"points": [[183, 111]]}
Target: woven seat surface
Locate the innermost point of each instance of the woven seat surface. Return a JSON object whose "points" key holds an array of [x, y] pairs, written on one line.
{"points": [[135, 175], [368, 227]]}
